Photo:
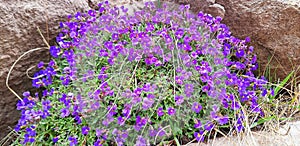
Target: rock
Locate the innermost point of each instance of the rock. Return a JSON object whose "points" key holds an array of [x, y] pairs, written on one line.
{"points": [[206, 6], [216, 10], [18, 23], [274, 29]]}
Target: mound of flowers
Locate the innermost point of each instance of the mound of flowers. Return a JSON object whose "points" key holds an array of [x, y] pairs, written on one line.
{"points": [[142, 79]]}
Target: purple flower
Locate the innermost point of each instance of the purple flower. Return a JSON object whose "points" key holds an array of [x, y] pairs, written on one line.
{"points": [[223, 120], [185, 58], [187, 47], [40, 65], [146, 87], [29, 137], [209, 126], [138, 91], [121, 120], [272, 91], [54, 51], [255, 107], [189, 88], [153, 60], [160, 111], [73, 141], [197, 124], [108, 45], [194, 54], [136, 99], [140, 122], [115, 36], [65, 80], [95, 105], [179, 80], [64, 112], [179, 99], [73, 34], [264, 92], [26, 94], [168, 39], [239, 65], [99, 132], [141, 141], [45, 114], [171, 111], [240, 53], [112, 110], [150, 27], [46, 104], [126, 110], [25, 104], [239, 124], [179, 33], [186, 39], [235, 105], [197, 67], [148, 61], [111, 61], [147, 103], [85, 130], [199, 136], [150, 96], [205, 68], [179, 70], [196, 107], [161, 132], [97, 142], [55, 139]]}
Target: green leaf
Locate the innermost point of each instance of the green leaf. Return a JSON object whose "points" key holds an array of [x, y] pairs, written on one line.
{"points": [[176, 140], [279, 87], [261, 121]]}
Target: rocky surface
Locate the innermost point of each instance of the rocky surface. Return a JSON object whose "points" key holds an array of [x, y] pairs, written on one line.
{"points": [[207, 6], [18, 25], [273, 26]]}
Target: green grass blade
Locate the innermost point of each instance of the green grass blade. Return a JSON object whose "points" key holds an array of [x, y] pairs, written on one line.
{"points": [[279, 87], [261, 121], [176, 140]]}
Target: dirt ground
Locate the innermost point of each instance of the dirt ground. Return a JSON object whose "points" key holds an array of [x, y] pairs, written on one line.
{"points": [[287, 135]]}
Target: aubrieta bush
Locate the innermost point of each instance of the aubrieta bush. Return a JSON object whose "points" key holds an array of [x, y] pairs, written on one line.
{"points": [[120, 79]]}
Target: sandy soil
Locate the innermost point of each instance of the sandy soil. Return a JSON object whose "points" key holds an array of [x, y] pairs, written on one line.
{"points": [[287, 135]]}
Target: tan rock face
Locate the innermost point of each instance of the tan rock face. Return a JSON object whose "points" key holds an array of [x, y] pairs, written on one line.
{"points": [[18, 34], [207, 6], [273, 27]]}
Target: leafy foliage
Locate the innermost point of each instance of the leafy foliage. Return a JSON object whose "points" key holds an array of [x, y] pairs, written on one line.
{"points": [[140, 80]]}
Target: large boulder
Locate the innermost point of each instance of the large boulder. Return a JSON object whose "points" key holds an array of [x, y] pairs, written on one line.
{"points": [[18, 33], [273, 26]]}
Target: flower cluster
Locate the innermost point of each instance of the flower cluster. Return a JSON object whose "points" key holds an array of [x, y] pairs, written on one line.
{"points": [[137, 78], [31, 114]]}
